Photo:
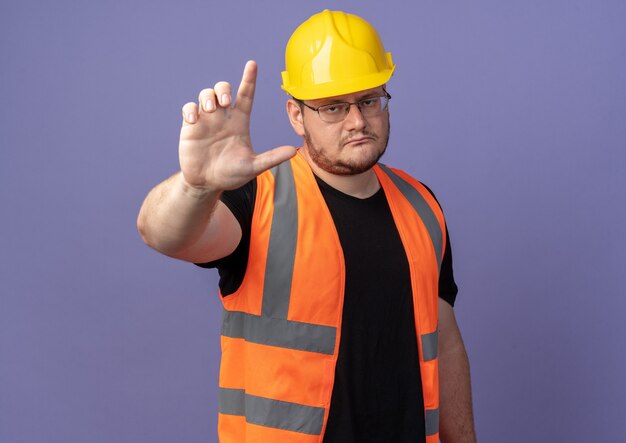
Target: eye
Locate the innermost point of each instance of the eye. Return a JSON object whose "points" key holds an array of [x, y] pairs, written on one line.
{"points": [[335, 108], [370, 102]]}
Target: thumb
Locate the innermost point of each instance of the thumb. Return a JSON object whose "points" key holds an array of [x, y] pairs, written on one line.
{"points": [[267, 160]]}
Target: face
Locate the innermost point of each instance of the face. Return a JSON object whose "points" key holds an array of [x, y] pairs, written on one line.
{"points": [[349, 147]]}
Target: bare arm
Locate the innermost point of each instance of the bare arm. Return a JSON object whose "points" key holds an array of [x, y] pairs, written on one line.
{"points": [[456, 423], [182, 217], [187, 223]]}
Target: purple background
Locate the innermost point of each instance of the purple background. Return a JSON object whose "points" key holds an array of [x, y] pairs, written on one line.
{"points": [[514, 113]]}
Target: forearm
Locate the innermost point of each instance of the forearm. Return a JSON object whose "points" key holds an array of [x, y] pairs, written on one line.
{"points": [[174, 216], [456, 419]]}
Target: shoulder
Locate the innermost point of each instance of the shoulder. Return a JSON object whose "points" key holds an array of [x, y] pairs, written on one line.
{"points": [[401, 179]]}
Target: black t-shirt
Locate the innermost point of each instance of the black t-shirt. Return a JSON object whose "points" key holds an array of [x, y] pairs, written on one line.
{"points": [[377, 395]]}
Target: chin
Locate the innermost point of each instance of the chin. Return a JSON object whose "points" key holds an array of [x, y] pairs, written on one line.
{"points": [[356, 166], [349, 160]]}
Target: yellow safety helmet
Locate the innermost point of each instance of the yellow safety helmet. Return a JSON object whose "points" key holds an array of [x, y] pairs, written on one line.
{"points": [[334, 53]]}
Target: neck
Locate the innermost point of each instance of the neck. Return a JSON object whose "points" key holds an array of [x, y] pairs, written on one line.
{"points": [[361, 185]]}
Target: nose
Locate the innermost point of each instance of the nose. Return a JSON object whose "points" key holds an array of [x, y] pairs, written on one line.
{"points": [[355, 120]]}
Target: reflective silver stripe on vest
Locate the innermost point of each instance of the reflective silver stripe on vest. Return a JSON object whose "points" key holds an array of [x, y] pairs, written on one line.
{"points": [[272, 413], [429, 345], [279, 332], [432, 421], [281, 251], [272, 327], [422, 208], [232, 401]]}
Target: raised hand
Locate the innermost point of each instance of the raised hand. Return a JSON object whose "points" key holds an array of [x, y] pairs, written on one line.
{"points": [[215, 150]]}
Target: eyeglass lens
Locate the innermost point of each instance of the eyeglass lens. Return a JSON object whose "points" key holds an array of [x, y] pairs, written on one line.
{"points": [[369, 107]]}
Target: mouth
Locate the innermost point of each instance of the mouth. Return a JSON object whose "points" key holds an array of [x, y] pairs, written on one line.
{"points": [[358, 141]]}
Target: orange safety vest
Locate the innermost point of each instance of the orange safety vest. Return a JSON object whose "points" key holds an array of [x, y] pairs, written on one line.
{"points": [[281, 329]]}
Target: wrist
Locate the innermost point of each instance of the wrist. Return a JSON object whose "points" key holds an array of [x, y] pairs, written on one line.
{"points": [[197, 192]]}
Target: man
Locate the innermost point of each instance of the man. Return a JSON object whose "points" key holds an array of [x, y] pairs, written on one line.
{"points": [[336, 273]]}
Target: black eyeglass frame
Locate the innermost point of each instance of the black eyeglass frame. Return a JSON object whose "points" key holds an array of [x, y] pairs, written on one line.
{"points": [[357, 104]]}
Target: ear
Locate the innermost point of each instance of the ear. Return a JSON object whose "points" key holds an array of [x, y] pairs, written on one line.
{"points": [[294, 112]]}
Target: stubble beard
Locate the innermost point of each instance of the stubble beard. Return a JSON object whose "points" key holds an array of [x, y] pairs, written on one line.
{"points": [[339, 167]]}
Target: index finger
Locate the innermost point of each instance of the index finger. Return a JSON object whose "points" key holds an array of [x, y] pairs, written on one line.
{"points": [[245, 93]]}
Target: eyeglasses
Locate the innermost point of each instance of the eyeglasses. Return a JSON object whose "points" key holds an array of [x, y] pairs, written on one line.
{"points": [[337, 112]]}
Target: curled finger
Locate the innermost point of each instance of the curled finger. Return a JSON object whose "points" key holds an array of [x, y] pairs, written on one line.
{"points": [[207, 100], [190, 113], [223, 93]]}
